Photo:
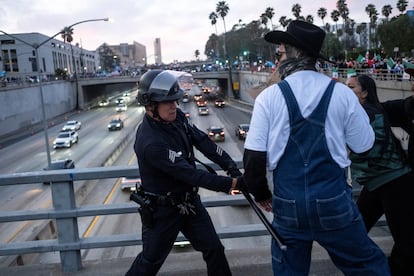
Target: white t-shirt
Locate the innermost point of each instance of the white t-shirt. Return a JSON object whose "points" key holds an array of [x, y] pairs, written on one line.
{"points": [[347, 123]]}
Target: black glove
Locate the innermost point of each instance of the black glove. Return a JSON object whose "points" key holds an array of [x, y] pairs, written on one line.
{"points": [[233, 172], [239, 187]]}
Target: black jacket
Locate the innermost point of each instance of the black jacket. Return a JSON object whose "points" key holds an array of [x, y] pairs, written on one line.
{"points": [[165, 157], [401, 114]]}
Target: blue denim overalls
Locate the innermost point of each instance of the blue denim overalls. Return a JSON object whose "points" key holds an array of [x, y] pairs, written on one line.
{"points": [[312, 201]]}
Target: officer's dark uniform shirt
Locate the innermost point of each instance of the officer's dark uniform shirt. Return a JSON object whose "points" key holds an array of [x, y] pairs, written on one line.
{"points": [[165, 159]]}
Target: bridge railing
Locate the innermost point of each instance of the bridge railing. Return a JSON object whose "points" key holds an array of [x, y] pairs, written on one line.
{"points": [[66, 213]]}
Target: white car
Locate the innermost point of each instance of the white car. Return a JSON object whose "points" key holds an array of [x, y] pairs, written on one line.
{"points": [[65, 139], [72, 125], [103, 103], [121, 107]]}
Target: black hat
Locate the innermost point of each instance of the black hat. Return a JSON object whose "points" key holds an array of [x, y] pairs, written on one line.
{"points": [[302, 35]]}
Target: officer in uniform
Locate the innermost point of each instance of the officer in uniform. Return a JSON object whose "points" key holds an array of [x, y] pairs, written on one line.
{"points": [[168, 197]]}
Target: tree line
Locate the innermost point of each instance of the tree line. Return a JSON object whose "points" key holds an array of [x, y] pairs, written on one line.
{"points": [[345, 39]]}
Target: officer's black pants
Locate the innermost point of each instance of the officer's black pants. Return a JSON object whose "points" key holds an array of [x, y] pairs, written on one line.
{"points": [[158, 241]]}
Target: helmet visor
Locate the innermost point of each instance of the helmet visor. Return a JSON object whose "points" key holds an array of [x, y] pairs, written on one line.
{"points": [[164, 88]]}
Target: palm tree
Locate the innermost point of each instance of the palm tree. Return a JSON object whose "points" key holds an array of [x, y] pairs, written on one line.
{"points": [[296, 10], [344, 13], [402, 5], [213, 18], [309, 18], [222, 9], [67, 36], [197, 54], [264, 19], [335, 17], [373, 16], [386, 11], [270, 13], [321, 14], [361, 28], [284, 21]]}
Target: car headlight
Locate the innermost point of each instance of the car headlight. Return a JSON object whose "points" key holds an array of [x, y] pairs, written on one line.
{"points": [[109, 126], [118, 124]]}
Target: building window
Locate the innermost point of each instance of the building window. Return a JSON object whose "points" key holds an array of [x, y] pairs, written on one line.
{"points": [[14, 63], [7, 41], [6, 60], [34, 65]]}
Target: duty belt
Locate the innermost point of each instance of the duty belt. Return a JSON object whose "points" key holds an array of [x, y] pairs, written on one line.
{"points": [[183, 201]]}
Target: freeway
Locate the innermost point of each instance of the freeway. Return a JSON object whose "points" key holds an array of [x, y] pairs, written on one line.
{"points": [[94, 146]]}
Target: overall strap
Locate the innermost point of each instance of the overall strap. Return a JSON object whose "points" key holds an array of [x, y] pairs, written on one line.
{"points": [[293, 108]]}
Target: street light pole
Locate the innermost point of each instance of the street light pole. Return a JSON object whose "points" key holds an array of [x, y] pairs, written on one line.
{"points": [[39, 76]]}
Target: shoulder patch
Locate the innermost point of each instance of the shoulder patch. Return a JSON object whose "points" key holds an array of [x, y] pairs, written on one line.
{"points": [[173, 154], [219, 151]]}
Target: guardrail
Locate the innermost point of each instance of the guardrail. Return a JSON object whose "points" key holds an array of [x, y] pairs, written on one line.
{"points": [[66, 214]]}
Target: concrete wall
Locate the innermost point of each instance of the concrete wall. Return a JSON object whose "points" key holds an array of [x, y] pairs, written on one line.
{"points": [[21, 107], [387, 90]]}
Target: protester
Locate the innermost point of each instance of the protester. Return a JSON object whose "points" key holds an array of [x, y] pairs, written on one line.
{"points": [[169, 194], [387, 179], [300, 129]]}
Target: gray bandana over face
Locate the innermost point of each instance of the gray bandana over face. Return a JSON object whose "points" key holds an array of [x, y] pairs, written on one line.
{"points": [[295, 64]]}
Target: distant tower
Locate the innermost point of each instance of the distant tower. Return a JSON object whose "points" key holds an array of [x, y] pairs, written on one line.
{"points": [[157, 51]]}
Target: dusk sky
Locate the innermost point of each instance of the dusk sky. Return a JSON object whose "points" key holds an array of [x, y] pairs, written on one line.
{"points": [[182, 25]]}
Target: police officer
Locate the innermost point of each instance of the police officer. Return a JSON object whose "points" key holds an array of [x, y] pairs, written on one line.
{"points": [[170, 180]]}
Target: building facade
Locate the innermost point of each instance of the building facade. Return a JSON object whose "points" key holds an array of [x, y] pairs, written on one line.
{"points": [[123, 57], [157, 51], [19, 62]]}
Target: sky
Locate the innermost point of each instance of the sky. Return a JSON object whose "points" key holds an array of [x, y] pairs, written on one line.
{"points": [[182, 25]]}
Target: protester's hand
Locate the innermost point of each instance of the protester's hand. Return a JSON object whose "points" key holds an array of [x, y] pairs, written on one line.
{"points": [[237, 185], [266, 205]]}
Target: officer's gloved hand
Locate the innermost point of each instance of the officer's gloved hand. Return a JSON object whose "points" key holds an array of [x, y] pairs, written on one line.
{"points": [[234, 172], [238, 187]]}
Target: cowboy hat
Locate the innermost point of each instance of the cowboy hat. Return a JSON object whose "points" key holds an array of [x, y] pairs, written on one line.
{"points": [[302, 35]]}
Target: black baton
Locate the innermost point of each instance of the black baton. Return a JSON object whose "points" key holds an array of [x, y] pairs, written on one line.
{"points": [[266, 223]]}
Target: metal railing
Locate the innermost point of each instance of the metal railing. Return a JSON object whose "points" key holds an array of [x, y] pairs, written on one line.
{"points": [[66, 213]]}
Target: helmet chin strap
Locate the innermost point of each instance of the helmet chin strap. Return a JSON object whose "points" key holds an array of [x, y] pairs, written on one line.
{"points": [[155, 113]]}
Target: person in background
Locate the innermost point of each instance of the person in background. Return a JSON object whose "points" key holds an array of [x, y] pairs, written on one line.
{"points": [[387, 179], [299, 130], [168, 196], [401, 114]]}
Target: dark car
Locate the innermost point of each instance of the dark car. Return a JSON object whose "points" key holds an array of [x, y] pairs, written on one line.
{"points": [[219, 103], [115, 124], [242, 130], [216, 133]]}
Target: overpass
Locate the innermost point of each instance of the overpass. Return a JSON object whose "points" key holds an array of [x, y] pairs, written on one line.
{"points": [[61, 97]]}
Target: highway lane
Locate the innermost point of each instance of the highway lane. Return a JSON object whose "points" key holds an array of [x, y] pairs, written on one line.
{"points": [[95, 143], [94, 139]]}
